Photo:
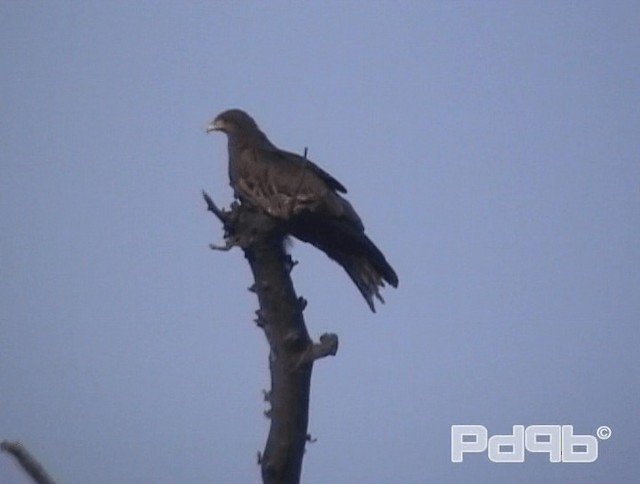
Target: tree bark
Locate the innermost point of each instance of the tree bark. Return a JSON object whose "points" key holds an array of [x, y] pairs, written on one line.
{"points": [[292, 352]]}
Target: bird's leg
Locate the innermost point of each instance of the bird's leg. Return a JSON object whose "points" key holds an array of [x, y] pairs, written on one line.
{"points": [[277, 201], [254, 194]]}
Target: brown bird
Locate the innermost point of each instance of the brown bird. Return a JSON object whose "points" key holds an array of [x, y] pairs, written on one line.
{"points": [[306, 198]]}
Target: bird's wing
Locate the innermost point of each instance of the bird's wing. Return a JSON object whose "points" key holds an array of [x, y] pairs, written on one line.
{"points": [[293, 158], [285, 184]]}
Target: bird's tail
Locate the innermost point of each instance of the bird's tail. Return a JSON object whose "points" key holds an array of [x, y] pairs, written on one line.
{"points": [[352, 249]]}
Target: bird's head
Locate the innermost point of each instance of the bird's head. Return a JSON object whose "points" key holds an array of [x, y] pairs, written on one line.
{"points": [[233, 121]]}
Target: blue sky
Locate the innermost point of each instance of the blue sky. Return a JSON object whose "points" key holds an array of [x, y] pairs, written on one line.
{"points": [[491, 149]]}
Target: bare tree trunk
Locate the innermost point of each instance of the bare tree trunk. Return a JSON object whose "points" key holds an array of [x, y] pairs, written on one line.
{"points": [[292, 352]]}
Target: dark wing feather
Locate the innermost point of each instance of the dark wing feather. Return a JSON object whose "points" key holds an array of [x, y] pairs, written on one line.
{"points": [[297, 160], [351, 248], [285, 184]]}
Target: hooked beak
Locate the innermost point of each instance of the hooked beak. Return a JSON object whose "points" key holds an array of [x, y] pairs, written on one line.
{"points": [[215, 125]]}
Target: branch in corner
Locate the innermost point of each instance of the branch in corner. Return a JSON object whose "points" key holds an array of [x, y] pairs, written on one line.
{"points": [[27, 461]]}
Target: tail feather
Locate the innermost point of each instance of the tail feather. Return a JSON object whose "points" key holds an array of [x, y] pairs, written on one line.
{"points": [[365, 277], [351, 248]]}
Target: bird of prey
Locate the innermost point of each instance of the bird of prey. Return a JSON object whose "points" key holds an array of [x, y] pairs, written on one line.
{"points": [[294, 190]]}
